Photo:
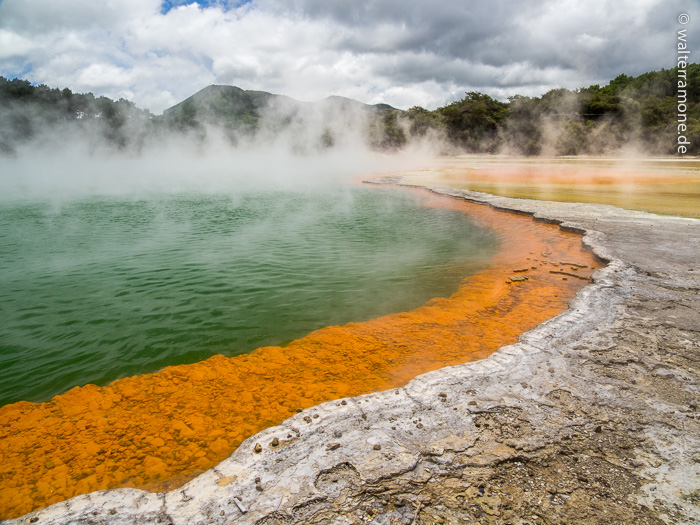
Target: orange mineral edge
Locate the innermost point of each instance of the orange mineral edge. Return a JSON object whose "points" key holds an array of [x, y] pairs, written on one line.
{"points": [[160, 430]]}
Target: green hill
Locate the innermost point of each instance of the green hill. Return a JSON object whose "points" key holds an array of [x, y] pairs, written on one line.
{"points": [[228, 106], [639, 112], [243, 113]]}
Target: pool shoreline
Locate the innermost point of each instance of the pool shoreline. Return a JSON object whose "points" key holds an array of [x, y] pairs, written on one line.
{"points": [[158, 431], [590, 414]]}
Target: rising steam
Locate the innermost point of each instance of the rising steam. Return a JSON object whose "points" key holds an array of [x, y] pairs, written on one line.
{"points": [[294, 145]]}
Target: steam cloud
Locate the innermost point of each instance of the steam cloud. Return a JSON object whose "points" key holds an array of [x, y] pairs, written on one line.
{"points": [[295, 145]]}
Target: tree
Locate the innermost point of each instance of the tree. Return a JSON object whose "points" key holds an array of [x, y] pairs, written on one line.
{"points": [[473, 122]]}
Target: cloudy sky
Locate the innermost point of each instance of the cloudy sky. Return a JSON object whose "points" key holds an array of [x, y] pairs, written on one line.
{"points": [[400, 52]]}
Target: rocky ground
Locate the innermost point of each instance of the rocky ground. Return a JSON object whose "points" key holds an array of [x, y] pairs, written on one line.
{"points": [[590, 418]]}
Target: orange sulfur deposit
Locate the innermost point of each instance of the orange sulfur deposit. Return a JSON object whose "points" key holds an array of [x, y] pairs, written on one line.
{"points": [[160, 430]]}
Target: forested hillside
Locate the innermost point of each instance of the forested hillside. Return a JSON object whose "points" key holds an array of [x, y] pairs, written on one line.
{"points": [[630, 112], [29, 113], [639, 112]]}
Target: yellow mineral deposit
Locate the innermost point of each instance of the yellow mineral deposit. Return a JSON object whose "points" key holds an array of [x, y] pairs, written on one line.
{"points": [[663, 185], [160, 430]]}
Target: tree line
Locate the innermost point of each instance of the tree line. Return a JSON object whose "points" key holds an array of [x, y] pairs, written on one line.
{"points": [[29, 112], [640, 111]]}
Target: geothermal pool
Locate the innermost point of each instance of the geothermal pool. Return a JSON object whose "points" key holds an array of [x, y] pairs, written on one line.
{"points": [[461, 279], [95, 289]]}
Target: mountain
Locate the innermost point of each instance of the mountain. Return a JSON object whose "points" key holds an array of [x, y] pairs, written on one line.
{"points": [[243, 110], [229, 106], [243, 114]]}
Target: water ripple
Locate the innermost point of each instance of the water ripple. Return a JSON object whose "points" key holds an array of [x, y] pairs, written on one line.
{"points": [[104, 288]]}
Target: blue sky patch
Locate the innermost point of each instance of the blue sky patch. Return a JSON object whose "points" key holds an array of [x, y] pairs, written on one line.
{"points": [[167, 5]]}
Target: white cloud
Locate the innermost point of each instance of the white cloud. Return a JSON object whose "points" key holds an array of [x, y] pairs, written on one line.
{"points": [[402, 52], [32, 16], [14, 45], [101, 77]]}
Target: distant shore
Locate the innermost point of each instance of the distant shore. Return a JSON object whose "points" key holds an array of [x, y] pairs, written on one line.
{"points": [[590, 417], [664, 185]]}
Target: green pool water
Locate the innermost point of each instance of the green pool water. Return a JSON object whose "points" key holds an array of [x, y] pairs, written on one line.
{"points": [[97, 288]]}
